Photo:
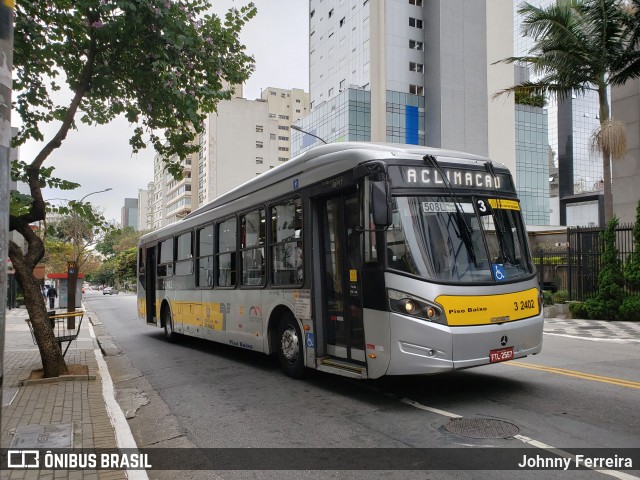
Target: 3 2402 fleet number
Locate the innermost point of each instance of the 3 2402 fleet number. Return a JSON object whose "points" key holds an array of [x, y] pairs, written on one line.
{"points": [[524, 305]]}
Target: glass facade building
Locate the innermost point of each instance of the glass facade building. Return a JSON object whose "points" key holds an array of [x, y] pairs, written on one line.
{"points": [[571, 122], [532, 165], [347, 118]]}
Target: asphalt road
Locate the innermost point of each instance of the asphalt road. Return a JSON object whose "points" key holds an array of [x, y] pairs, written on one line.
{"points": [[575, 394]]}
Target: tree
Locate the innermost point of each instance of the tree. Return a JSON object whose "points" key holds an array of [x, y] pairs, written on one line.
{"points": [[117, 240], [80, 232], [583, 45], [606, 304], [71, 238], [630, 309], [163, 64], [125, 267]]}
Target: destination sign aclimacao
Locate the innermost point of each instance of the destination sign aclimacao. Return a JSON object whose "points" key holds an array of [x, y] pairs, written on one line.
{"points": [[405, 176]]}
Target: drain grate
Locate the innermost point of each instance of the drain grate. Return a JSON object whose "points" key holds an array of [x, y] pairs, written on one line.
{"points": [[482, 428]]}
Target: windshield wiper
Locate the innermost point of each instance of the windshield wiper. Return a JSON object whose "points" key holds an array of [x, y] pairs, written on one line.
{"points": [[467, 229], [497, 216]]}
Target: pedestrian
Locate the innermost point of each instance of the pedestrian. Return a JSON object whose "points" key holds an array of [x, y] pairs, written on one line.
{"points": [[44, 292], [52, 293]]}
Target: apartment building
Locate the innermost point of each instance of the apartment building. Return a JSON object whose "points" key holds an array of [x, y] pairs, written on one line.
{"points": [[242, 139], [411, 71], [286, 107], [171, 198]]}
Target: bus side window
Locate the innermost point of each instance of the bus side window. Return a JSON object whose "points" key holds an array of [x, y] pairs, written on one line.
{"points": [[226, 252], [204, 253], [286, 243], [165, 259], [252, 242], [184, 254]]}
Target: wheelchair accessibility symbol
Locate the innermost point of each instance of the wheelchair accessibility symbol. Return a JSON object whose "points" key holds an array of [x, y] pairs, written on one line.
{"points": [[310, 340], [499, 273]]}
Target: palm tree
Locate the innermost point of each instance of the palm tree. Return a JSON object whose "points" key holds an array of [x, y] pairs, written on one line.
{"points": [[583, 45]]}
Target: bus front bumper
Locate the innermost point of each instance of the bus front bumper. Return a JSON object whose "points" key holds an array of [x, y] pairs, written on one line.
{"points": [[419, 347]]}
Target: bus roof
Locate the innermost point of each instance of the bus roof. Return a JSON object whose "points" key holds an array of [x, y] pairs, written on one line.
{"points": [[334, 157], [356, 151]]}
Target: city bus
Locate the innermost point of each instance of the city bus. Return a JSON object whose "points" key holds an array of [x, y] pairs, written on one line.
{"points": [[358, 259]]}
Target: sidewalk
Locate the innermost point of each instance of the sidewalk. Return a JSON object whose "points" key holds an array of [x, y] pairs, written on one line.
{"points": [[53, 413], [595, 330]]}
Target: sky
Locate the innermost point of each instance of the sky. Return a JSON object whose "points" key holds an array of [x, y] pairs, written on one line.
{"points": [[100, 157]]}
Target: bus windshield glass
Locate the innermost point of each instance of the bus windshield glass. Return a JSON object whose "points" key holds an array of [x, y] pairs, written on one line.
{"points": [[466, 240]]}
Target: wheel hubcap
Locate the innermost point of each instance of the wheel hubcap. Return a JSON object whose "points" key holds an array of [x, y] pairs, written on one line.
{"points": [[290, 344]]}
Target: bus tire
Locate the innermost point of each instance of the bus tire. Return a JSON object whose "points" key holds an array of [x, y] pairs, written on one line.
{"points": [[290, 347], [169, 332]]}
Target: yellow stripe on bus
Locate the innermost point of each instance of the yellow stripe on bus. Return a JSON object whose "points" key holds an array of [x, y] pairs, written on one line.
{"points": [[504, 204], [489, 309]]}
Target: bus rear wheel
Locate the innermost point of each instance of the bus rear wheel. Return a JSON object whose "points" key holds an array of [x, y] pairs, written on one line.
{"points": [[169, 332], [290, 347]]}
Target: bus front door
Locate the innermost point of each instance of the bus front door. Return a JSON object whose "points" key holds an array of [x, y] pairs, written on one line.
{"points": [[342, 262]]}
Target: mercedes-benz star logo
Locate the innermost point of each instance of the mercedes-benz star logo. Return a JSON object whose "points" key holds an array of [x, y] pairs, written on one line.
{"points": [[503, 340]]}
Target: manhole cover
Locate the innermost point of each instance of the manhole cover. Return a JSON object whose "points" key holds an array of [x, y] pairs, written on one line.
{"points": [[592, 327], [482, 428], [43, 436]]}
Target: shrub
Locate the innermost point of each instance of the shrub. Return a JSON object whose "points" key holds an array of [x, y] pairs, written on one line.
{"points": [[578, 310], [547, 297], [632, 269], [606, 304], [630, 308], [561, 296]]}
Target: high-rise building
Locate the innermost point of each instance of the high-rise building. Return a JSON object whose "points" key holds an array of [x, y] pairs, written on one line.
{"points": [[411, 71], [145, 208], [532, 156], [625, 107], [172, 199], [242, 139], [129, 213], [245, 138], [572, 122]]}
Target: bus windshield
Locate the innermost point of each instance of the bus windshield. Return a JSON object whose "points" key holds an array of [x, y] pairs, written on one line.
{"points": [[469, 240]]}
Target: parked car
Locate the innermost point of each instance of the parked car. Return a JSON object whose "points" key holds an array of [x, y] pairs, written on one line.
{"points": [[110, 291]]}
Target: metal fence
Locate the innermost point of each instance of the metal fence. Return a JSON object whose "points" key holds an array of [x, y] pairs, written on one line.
{"points": [[575, 267]]}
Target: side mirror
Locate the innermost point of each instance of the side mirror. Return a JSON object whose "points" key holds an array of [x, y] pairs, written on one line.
{"points": [[380, 203]]}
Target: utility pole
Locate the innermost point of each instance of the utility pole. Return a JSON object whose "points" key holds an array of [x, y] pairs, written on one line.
{"points": [[6, 66]]}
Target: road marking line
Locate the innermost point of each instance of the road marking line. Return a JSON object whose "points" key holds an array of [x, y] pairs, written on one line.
{"points": [[429, 409], [595, 339], [124, 437], [562, 453], [527, 440], [572, 373]]}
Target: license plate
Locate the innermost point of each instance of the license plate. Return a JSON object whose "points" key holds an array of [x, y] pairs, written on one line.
{"points": [[501, 355]]}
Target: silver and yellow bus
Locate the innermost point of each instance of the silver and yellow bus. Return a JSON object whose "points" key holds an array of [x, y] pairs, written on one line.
{"points": [[357, 259]]}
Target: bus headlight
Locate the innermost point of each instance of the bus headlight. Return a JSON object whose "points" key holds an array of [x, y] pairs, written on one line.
{"points": [[406, 304]]}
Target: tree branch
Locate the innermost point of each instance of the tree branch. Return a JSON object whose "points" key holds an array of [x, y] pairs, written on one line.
{"points": [[37, 211]]}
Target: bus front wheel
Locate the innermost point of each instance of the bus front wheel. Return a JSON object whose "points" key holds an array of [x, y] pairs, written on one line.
{"points": [[169, 332], [290, 347]]}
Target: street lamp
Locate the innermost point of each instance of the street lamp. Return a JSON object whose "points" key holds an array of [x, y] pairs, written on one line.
{"points": [[93, 193], [297, 128]]}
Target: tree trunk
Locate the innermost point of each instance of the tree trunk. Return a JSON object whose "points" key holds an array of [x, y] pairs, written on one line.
{"points": [[53, 362], [608, 193], [606, 154]]}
